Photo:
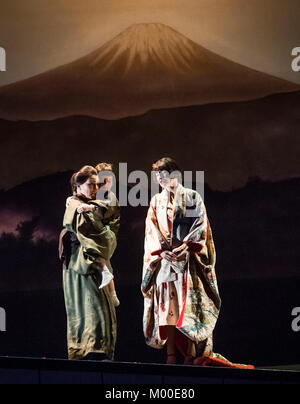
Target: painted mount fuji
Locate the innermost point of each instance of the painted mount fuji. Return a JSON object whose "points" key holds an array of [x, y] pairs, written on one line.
{"points": [[148, 66]]}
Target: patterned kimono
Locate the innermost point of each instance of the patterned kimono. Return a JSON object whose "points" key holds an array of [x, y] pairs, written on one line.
{"points": [[91, 316], [185, 294]]}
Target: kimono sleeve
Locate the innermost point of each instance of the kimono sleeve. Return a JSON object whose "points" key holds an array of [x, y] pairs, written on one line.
{"points": [[112, 213], [96, 239], [152, 247], [115, 217], [196, 239], [200, 239]]}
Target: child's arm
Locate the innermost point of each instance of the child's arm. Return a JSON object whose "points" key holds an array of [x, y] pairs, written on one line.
{"points": [[84, 207]]}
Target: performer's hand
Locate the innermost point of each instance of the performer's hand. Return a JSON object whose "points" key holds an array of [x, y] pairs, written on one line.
{"points": [[84, 207], [168, 255], [179, 249], [181, 252]]}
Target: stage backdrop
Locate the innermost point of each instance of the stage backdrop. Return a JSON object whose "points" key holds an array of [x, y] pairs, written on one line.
{"points": [[213, 84]]}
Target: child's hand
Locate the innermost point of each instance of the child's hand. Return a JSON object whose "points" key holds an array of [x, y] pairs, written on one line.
{"points": [[84, 207]]}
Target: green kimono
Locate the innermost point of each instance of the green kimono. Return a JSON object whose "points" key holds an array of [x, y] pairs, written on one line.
{"points": [[91, 316], [111, 216]]}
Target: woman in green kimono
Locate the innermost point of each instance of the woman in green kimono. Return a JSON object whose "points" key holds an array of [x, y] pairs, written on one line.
{"points": [[88, 246], [111, 216]]}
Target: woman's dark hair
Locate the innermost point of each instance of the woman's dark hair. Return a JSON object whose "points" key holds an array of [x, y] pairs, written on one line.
{"points": [[81, 177], [166, 164]]}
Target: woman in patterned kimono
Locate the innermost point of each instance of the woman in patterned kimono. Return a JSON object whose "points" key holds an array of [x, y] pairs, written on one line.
{"points": [[91, 314], [181, 297], [182, 301]]}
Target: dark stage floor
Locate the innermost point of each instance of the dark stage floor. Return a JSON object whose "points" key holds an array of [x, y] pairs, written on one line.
{"points": [[14, 370]]}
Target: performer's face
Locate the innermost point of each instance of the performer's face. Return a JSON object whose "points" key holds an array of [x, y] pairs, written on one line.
{"points": [[166, 182], [90, 188]]}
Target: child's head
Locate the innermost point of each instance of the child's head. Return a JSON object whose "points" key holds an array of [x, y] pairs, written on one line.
{"points": [[105, 175]]}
